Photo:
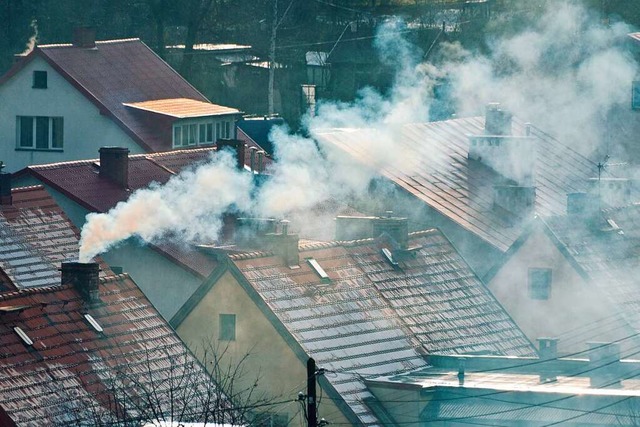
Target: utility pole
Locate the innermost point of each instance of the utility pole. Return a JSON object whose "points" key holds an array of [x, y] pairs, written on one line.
{"points": [[272, 57], [312, 416]]}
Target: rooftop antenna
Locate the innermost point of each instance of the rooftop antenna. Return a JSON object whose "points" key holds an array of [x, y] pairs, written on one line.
{"points": [[602, 166]]}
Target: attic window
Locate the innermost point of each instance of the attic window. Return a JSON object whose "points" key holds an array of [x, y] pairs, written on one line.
{"points": [[23, 336], [95, 325], [318, 269], [39, 80]]}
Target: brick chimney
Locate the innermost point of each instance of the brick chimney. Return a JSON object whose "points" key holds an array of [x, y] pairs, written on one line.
{"points": [[367, 227], [237, 146], [604, 361], [285, 245], [517, 199], [397, 228], [511, 156], [114, 165], [84, 37], [84, 277], [5, 188]]}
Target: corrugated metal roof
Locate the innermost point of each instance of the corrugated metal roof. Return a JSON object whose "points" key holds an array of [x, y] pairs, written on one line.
{"points": [[436, 170], [65, 376], [374, 319], [182, 108]]}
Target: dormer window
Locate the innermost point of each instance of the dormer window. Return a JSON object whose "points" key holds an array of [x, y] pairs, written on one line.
{"points": [[39, 79], [199, 132]]}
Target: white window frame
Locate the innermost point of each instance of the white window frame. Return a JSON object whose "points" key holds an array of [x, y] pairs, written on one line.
{"points": [[188, 134], [34, 135]]}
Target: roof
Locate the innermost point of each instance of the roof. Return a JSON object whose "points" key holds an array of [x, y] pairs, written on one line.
{"points": [[183, 108], [114, 73], [605, 250], [35, 236], [69, 372], [81, 182], [371, 318], [436, 170]]}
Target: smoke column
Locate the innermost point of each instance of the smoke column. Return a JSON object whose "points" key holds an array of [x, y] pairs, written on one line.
{"points": [[188, 207], [564, 74]]}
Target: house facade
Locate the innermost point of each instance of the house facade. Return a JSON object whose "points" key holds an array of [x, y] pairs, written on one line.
{"points": [[63, 102], [572, 278], [359, 308]]}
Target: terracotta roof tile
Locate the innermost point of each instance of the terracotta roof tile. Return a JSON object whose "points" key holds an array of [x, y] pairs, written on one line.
{"points": [[69, 364], [372, 318]]}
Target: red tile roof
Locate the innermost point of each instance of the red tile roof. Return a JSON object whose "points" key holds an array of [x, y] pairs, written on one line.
{"points": [[118, 72], [81, 182], [373, 319], [36, 236], [66, 376], [438, 172], [183, 108]]}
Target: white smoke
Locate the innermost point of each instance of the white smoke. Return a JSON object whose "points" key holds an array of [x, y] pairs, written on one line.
{"points": [[31, 43], [564, 74], [187, 208]]}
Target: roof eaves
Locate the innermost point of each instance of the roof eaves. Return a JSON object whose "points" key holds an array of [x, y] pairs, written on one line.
{"points": [[513, 249], [58, 188], [197, 296], [295, 346], [104, 110]]}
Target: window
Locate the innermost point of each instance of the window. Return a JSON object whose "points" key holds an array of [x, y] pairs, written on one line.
{"points": [[635, 95], [40, 133], [539, 283], [39, 80], [192, 134], [227, 327]]}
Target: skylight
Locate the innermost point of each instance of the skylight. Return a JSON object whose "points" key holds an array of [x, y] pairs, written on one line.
{"points": [[318, 269], [23, 336], [94, 324]]}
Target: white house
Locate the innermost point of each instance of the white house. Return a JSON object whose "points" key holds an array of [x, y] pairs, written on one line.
{"points": [[63, 102]]}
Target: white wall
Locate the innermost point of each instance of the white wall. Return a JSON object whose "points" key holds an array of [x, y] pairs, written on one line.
{"points": [[85, 130]]}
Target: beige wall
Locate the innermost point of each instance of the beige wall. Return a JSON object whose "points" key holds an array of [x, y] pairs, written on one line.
{"points": [[575, 312], [282, 375]]}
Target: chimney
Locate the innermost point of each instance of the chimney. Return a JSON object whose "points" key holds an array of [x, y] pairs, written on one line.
{"points": [[397, 228], [236, 145], [285, 245], [516, 199], [114, 165], [547, 350], [497, 121], [84, 37], [252, 159], [84, 277], [5, 187], [511, 156], [611, 191], [604, 361], [461, 369], [582, 204], [260, 161]]}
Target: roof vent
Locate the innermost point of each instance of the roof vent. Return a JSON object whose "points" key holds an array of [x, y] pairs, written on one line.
{"points": [[389, 257], [318, 269], [94, 324], [23, 336]]}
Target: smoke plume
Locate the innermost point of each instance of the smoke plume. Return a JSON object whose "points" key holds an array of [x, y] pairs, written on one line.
{"points": [[565, 74]]}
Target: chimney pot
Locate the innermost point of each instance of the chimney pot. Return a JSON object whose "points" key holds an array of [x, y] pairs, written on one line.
{"points": [[252, 159], [84, 277], [114, 165], [461, 369], [260, 161], [284, 224], [84, 37], [497, 121]]}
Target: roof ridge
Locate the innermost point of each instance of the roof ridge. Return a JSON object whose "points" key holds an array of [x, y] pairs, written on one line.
{"points": [[48, 166], [54, 45], [27, 188], [173, 152], [250, 255], [6, 295], [114, 278]]}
